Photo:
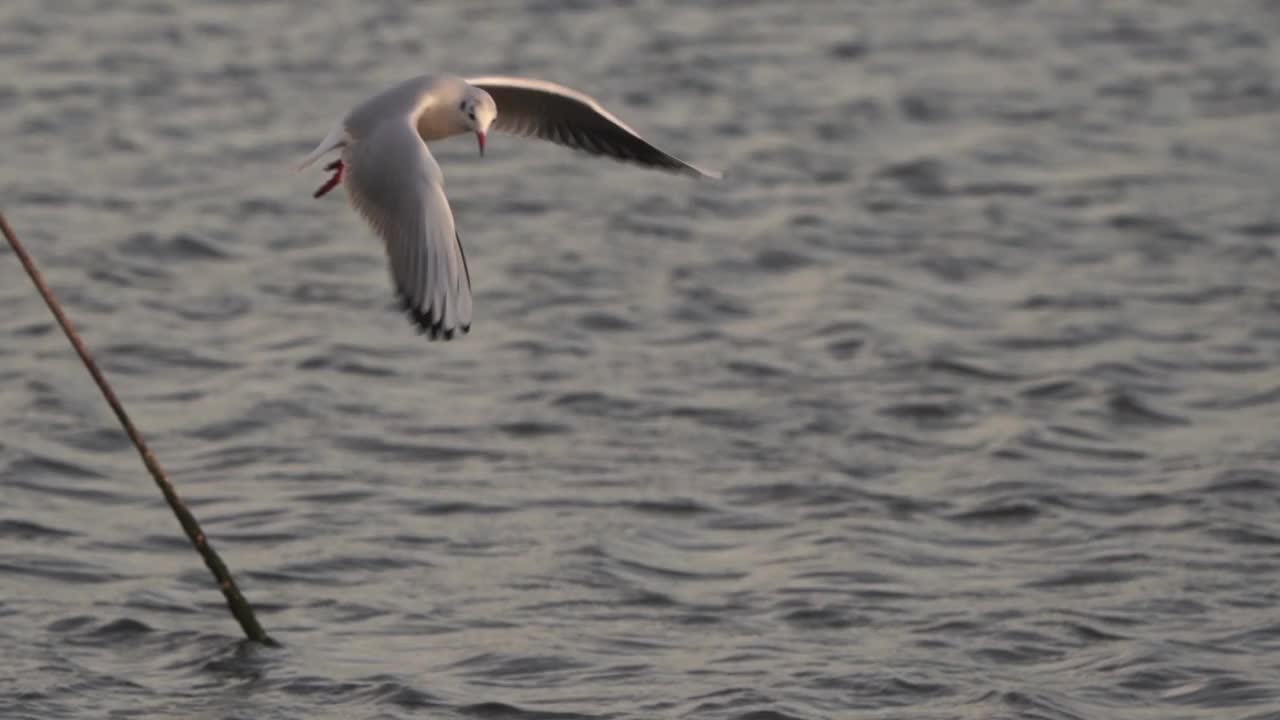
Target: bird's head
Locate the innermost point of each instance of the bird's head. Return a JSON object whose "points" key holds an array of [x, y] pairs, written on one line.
{"points": [[478, 112]]}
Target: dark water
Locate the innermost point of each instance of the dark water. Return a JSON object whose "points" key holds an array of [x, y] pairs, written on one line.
{"points": [[958, 399]]}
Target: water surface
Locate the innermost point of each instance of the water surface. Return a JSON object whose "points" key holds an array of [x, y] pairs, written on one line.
{"points": [[956, 399]]}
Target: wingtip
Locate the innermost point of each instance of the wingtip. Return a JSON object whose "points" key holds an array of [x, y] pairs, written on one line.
{"points": [[702, 173], [696, 171], [433, 329]]}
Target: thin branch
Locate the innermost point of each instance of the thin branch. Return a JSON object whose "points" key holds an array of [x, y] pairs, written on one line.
{"points": [[240, 608]]}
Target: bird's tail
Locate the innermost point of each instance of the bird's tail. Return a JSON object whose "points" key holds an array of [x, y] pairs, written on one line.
{"points": [[336, 138]]}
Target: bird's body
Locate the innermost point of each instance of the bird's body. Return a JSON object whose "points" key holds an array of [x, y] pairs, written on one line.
{"points": [[395, 183]]}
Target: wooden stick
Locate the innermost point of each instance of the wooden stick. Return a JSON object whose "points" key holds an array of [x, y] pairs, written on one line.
{"points": [[240, 608]]}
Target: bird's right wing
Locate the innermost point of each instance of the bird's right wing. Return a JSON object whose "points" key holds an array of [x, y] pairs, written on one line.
{"points": [[395, 183]]}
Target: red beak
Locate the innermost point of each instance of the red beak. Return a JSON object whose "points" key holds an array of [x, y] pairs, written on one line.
{"points": [[480, 140]]}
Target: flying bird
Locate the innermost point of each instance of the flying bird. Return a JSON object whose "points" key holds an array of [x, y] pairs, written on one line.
{"points": [[394, 182]]}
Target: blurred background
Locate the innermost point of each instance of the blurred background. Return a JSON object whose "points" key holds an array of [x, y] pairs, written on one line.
{"points": [[957, 398]]}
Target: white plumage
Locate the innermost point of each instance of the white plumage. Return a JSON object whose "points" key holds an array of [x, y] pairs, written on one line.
{"points": [[396, 185]]}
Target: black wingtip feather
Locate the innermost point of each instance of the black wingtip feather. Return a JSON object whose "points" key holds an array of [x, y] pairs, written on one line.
{"points": [[433, 330], [421, 318]]}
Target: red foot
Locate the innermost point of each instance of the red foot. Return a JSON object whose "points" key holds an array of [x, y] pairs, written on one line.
{"points": [[336, 166]]}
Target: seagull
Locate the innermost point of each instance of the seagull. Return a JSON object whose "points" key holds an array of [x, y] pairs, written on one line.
{"points": [[396, 185]]}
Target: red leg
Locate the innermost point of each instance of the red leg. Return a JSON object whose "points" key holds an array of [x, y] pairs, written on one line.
{"points": [[337, 167]]}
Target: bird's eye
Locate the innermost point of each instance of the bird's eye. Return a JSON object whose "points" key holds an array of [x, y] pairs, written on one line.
{"points": [[471, 115]]}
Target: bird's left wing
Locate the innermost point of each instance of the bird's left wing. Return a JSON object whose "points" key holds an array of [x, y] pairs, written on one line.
{"points": [[541, 109]]}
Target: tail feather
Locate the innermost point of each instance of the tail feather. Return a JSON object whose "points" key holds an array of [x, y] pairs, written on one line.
{"points": [[336, 138]]}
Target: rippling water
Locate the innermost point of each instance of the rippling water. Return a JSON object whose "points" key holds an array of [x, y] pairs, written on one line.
{"points": [[957, 399]]}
